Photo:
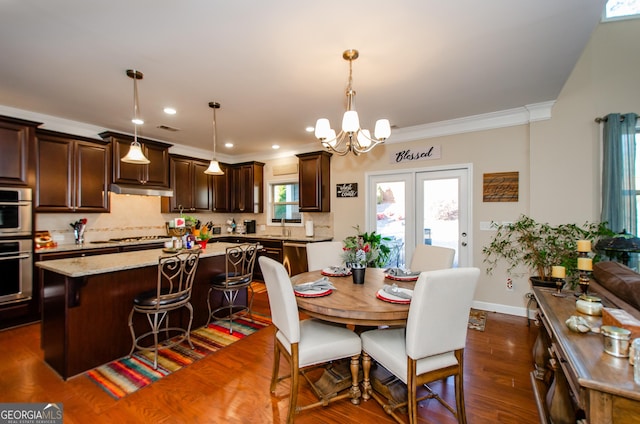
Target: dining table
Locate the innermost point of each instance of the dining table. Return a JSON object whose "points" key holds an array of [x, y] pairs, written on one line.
{"points": [[356, 305]]}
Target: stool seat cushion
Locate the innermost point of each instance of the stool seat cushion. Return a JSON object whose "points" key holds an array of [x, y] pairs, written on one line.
{"points": [[148, 298], [220, 280]]}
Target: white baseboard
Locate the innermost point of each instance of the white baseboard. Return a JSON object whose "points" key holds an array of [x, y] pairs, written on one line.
{"points": [[505, 309]]}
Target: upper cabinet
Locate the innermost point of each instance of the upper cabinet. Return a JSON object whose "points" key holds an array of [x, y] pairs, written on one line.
{"points": [[221, 198], [314, 173], [192, 188], [156, 173], [245, 187], [17, 148], [72, 173]]}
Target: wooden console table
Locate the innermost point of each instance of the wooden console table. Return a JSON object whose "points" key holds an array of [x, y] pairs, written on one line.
{"points": [[574, 378]]}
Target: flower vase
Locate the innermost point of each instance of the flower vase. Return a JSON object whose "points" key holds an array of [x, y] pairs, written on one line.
{"points": [[358, 275], [78, 233], [202, 244]]}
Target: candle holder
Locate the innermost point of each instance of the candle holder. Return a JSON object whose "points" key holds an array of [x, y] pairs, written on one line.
{"points": [[584, 281], [559, 286]]}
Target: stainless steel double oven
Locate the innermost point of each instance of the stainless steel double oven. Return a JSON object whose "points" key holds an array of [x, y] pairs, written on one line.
{"points": [[16, 244]]}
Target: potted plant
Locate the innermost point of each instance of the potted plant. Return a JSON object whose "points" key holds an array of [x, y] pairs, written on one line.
{"points": [[539, 246], [202, 237], [364, 250]]}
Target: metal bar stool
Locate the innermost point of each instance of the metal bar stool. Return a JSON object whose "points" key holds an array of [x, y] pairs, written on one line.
{"points": [[239, 264], [173, 291]]}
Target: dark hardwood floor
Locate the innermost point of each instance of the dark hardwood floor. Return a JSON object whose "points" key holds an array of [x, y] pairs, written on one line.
{"points": [[232, 385]]}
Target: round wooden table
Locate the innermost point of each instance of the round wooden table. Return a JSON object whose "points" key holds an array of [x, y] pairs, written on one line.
{"points": [[354, 304]]}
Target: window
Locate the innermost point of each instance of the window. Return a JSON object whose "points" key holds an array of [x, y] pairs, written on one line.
{"points": [[285, 202], [621, 9]]}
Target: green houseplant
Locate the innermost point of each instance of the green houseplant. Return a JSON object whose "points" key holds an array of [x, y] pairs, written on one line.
{"points": [[538, 246], [366, 249]]}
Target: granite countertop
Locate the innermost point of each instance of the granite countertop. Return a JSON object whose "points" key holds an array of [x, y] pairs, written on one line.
{"points": [[100, 264], [105, 244], [300, 239]]}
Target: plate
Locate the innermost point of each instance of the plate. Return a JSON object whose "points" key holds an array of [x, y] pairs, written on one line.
{"points": [[409, 277], [388, 297], [331, 272], [313, 293]]}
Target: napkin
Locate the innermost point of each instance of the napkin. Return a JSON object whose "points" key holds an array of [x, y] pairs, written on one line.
{"points": [[400, 272], [321, 284], [394, 290], [339, 270]]}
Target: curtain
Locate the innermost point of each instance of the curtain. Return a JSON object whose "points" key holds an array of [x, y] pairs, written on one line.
{"points": [[618, 172]]}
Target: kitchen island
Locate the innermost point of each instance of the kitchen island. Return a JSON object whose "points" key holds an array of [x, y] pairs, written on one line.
{"points": [[87, 300]]}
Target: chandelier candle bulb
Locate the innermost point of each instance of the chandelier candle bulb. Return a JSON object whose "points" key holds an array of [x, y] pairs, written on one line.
{"points": [[558, 272], [585, 264], [584, 245]]}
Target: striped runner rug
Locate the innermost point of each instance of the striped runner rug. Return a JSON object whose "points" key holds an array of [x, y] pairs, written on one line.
{"points": [[129, 374]]}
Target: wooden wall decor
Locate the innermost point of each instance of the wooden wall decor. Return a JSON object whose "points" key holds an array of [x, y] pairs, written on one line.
{"points": [[500, 187]]}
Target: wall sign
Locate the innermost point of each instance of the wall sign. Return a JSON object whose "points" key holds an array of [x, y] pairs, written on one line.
{"points": [[413, 155], [347, 190], [500, 187]]}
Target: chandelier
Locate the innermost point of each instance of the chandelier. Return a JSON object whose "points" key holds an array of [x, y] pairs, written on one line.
{"points": [[214, 166], [352, 138], [135, 154]]}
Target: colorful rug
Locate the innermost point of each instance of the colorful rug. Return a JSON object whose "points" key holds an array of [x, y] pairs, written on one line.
{"points": [[129, 374], [477, 319]]}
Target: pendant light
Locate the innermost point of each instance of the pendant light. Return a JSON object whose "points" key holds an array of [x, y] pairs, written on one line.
{"points": [[214, 166], [135, 154]]}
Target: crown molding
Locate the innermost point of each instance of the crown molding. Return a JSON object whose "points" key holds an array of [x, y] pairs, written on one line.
{"points": [[487, 121]]}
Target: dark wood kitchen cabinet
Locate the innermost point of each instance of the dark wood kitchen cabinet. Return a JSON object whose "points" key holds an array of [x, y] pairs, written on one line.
{"points": [[245, 186], [155, 174], [17, 151], [221, 195], [72, 173], [192, 188], [314, 173]]}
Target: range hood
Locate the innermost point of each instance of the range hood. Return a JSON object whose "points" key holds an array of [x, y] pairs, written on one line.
{"points": [[141, 190]]}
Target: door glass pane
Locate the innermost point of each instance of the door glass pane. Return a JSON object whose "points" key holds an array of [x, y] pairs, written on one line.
{"points": [[390, 218], [440, 226]]}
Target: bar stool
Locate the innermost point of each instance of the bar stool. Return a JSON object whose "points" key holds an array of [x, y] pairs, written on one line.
{"points": [[239, 264], [173, 291]]}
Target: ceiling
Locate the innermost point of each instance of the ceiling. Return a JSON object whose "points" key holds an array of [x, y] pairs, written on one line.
{"points": [[276, 66]]}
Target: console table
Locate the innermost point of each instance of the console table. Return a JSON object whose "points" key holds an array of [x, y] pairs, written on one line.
{"points": [[574, 380]]}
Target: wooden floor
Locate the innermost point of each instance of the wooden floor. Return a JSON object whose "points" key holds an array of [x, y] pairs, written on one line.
{"points": [[232, 385]]}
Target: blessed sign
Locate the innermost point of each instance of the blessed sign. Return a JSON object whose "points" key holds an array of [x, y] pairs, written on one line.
{"points": [[412, 155], [347, 190]]}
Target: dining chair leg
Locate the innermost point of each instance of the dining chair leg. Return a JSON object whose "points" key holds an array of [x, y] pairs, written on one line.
{"points": [[276, 364], [295, 380], [459, 383], [411, 391], [366, 382]]}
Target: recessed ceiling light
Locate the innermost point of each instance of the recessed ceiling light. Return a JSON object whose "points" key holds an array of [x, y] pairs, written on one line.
{"points": [[228, 145], [309, 129], [275, 147], [169, 111]]}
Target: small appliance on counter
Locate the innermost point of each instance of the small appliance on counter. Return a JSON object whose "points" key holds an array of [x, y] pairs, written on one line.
{"points": [[250, 226]]}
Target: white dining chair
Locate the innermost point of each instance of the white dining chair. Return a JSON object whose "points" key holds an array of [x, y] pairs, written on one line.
{"points": [[304, 344], [430, 258], [324, 254], [432, 345]]}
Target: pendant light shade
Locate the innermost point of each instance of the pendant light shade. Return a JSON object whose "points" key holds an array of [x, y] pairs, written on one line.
{"points": [[214, 166], [135, 154]]}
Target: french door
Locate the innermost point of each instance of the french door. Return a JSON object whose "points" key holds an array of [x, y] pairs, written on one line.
{"points": [[422, 207]]}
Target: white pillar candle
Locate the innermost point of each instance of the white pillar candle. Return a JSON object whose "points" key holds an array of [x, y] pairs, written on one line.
{"points": [[558, 272], [585, 264], [584, 245]]}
